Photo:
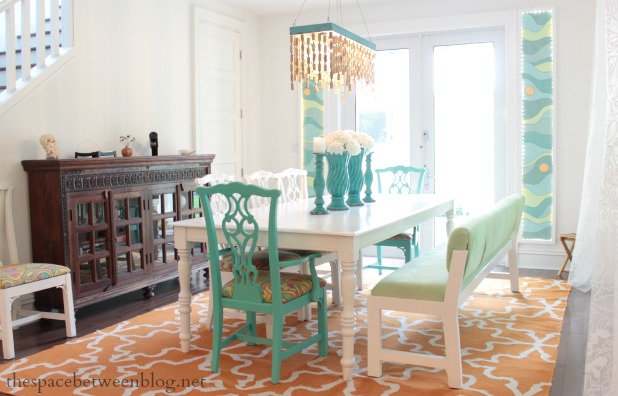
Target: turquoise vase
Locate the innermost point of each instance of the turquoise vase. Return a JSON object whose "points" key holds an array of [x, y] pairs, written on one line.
{"points": [[337, 180], [355, 170]]}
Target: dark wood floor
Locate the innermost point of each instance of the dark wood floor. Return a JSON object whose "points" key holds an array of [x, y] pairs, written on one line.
{"points": [[30, 339]]}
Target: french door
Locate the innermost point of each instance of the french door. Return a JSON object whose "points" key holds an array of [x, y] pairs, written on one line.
{"points": [[439, 103]]}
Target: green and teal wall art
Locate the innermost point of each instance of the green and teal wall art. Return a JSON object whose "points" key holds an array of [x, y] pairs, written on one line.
{"points": [[538, 124], [312, 116]]}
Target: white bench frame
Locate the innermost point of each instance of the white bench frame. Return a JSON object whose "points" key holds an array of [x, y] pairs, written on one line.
{"points": [[447, 309]]}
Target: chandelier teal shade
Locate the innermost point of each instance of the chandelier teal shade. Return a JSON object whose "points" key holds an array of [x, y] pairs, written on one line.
{"points": [[329, 26]]}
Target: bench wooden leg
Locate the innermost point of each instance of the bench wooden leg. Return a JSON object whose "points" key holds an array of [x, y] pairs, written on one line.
{"points": [[452, 348]]}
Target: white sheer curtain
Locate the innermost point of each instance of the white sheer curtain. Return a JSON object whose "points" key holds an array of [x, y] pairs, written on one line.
{"points": [[595, 256]]}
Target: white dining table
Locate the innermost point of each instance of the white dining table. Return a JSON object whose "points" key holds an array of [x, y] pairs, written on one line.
{"points": [[344, 232]]}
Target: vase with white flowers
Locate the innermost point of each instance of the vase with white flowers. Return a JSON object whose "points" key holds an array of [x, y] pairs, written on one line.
{"points": [[340, 145], [127, 151], [355, 167]]}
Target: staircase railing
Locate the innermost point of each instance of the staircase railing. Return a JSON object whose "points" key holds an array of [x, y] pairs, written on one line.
{"points": [[40, 27]]}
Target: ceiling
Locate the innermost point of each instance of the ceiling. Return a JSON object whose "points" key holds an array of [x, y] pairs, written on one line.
{"points": [[271, 7]]}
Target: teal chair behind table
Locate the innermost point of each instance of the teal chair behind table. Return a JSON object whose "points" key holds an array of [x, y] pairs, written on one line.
{"points": [[273, 292], [399, 180]]}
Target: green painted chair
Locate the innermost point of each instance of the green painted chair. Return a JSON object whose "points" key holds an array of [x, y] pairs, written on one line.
{"points": [[398, 180], [272, 292]]}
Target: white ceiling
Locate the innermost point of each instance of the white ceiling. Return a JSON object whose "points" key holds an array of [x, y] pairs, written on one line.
{"points": [[271, 7]]}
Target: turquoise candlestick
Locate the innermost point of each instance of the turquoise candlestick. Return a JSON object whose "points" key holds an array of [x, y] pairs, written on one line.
{"points": [[368, 179], [318, 186]]}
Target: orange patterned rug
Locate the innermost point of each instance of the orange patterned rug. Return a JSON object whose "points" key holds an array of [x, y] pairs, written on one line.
{"points": [[509, 347]]}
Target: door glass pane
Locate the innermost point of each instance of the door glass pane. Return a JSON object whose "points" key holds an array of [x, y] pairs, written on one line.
{"points": [[168, 203], [83, 239], [184, 200], [120, 208], [134, 205], [122, 263], [121, 236], [136, 233], [99, 212], [102, 268], [136, 260], [85, 273], [384, 114], [100, 241], [156, 204], [464, 125], [82, 214], [158, 229]]}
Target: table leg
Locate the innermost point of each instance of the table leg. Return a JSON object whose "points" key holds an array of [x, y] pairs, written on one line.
{"points": [[348, 318], [184, 298], [450, 214]]}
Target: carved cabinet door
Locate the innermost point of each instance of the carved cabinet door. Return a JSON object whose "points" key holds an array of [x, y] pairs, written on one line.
{"points": [[89, 233]]}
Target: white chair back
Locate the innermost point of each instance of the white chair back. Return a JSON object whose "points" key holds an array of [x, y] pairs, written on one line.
{"points": [[293, 184], [218, 203], [264, 179], [9, 241]]}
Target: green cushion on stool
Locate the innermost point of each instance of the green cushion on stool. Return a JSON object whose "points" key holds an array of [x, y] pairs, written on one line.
{"points": [[15, 275]]}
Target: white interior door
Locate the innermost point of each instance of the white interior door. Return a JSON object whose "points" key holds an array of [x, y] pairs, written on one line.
{"points": [[218, 56]]}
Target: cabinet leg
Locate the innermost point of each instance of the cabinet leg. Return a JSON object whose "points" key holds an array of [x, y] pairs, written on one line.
{"points": [[148, 292]]}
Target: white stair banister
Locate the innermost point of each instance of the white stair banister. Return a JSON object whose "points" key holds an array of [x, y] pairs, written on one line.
{"points": [[54, 15], [40, 38], [10, 48], [26, 57], [27, 26]]}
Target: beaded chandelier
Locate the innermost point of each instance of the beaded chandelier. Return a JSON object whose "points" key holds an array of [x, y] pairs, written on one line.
{"points": [[329, 56]]}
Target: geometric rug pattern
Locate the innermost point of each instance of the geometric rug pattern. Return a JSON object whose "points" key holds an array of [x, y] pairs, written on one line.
{"points": [[509, 346]]}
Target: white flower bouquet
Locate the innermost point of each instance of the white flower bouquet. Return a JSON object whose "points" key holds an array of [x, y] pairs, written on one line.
{"points": [[339, 141], [366, 142]]}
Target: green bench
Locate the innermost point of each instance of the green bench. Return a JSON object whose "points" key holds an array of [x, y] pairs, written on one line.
{"points": [[437, 282]]}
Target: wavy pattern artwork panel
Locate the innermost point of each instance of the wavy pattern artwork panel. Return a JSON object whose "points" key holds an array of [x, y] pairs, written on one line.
{"points": [[538, 124], [312, 126]]}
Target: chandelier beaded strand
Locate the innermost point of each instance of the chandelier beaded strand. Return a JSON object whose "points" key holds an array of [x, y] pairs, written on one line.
{"points": [[331, 57]]}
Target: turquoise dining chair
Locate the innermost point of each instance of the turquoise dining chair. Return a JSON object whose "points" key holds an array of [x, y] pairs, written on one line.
{"points": [[274, 292], [399, 180]]}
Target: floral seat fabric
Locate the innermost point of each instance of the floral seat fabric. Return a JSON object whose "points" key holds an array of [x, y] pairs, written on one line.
{"points": [[404, 236], [293, 285], [260, 260], [15, 275]]}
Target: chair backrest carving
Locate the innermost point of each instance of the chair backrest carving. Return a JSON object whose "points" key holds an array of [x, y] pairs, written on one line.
{"points": [[293, 184], [218, 202], [240, 229], [264, 179], [398, 179]]}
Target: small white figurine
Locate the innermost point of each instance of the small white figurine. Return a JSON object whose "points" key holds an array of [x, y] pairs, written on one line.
{"points": [[48, 141]]}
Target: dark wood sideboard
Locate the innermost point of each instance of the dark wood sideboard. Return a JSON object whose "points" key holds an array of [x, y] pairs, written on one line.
{"points": [[108, 219]]}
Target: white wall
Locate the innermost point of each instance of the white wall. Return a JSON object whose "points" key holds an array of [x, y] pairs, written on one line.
{"points": [[132, 73], [574, 57]]}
